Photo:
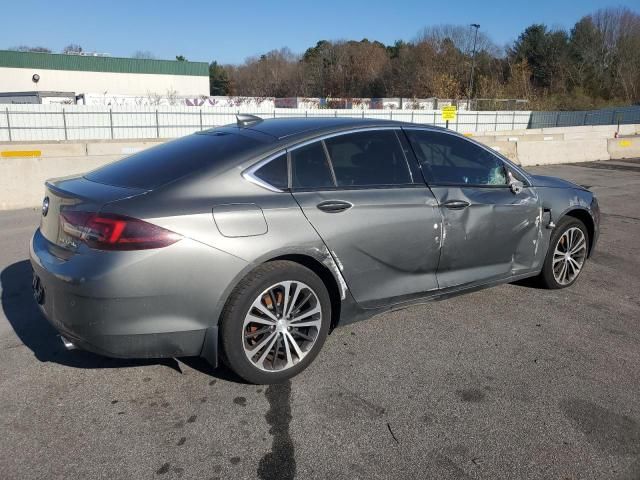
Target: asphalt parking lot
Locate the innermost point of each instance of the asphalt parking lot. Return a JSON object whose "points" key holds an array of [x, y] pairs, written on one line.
{"points": [[510, 382]]}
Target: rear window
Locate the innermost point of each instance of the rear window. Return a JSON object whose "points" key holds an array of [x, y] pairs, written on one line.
{"points": [[172, 160]]}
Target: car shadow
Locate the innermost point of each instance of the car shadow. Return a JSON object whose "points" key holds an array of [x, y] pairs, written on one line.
{"points": [[36, 333]]}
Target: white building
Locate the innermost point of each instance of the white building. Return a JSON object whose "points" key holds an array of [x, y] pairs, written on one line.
{"points": [[31, 71]]}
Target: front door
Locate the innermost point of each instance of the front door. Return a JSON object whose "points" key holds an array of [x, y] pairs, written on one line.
{"points": [[380, 224], [489, 232]]}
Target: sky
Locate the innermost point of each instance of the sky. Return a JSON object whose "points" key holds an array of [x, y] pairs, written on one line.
{"points": [[231, 31]]}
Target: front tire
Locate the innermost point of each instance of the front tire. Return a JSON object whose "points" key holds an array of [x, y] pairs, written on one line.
{"points": [[567, 254], [275, 322]]}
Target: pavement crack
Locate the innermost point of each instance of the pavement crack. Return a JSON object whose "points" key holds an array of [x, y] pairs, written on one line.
{"points": [[392, 434]]}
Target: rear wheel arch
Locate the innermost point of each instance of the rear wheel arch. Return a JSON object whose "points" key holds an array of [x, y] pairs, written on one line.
{"points": [[308, 261], [327, 277]]}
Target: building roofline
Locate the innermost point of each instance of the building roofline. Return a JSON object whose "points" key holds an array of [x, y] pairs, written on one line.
{"points": [[59, 61]]}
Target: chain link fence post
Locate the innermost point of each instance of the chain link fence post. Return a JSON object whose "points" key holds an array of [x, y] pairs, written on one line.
{"points": [[64, 123], [157, 125], [111, 122], [8, 122]]}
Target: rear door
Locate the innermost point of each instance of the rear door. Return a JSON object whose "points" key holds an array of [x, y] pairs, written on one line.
{"points": [[489, 232], [380, 223]]}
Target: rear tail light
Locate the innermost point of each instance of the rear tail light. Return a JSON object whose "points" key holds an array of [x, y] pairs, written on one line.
{"points": [[106, 231]]}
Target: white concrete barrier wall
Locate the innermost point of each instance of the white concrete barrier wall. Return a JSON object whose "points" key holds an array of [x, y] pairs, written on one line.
{"points": [[25, 166]]}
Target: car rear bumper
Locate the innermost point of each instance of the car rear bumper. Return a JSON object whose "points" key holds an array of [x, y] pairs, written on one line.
{"points": [[146, 304]]}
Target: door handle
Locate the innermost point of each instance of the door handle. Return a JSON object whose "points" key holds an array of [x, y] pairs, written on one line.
{"points": [[334, 206], [455, 204]]}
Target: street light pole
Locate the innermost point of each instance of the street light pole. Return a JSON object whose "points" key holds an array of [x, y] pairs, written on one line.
{"points": [[473, 61]]}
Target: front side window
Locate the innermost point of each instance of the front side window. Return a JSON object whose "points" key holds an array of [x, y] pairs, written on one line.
{"points": [[310, 168], [450, 160], [371, 158]]}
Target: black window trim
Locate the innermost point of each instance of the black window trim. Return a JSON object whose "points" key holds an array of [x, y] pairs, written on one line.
{"points": [[249, 173], [414, 183], [506, 163]]}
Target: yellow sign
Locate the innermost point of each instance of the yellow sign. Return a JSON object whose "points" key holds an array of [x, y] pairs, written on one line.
{"points": [[20, 153], [624, 143], [449, 113]]}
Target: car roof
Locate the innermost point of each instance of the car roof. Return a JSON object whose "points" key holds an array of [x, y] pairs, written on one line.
{"points": [[282, 129]]}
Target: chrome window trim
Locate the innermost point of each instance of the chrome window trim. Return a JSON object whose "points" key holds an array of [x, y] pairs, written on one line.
{"points": [[250, 173], [496, 154], [337, 134]]}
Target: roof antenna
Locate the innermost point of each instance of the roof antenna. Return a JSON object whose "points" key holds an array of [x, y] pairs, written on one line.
{"points": [[244, 120]]}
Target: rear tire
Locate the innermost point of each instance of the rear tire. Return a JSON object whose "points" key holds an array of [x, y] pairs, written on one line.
{"points": [[275, 322], [567, 254]]}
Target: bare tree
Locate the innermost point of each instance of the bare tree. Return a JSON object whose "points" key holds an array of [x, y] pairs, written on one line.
{"points": [[143, 55], [72, 49]]}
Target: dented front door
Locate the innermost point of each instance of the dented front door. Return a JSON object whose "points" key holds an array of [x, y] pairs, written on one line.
{"points": [[489, 233]]}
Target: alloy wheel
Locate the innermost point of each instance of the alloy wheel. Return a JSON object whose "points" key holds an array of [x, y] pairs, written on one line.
{"points": [[569, 255], [282, 326]]}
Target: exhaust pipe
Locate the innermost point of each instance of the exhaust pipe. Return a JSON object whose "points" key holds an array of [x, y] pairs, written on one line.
{"points": [[67, 344]]}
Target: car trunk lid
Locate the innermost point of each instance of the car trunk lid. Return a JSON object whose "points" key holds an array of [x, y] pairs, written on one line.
{"points": [[79, 194]]}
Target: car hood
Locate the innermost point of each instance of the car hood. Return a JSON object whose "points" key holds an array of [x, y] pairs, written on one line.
{"points": [[553, 182]]}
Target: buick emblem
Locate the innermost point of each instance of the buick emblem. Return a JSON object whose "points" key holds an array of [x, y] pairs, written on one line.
{"points": [[45, 206]]}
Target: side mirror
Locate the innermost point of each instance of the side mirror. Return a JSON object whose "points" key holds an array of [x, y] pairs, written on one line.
{"points": [[516, 186]]}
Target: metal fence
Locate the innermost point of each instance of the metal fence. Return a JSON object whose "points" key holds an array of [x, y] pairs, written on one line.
{"points": [[78, 122], [610, 116]]}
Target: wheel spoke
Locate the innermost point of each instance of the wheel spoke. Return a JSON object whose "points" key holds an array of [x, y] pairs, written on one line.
{"points": [[285, 301], [295, 345], [262, 309], [304, 336], [274, 301], [257, 348], [258, 332], [563, 271], [306, 314], [267, 350], [581, 244], [276, 350], [287, 350], [302, 302], [263, 321], [574, 264], [292, 304], [312, 323]]}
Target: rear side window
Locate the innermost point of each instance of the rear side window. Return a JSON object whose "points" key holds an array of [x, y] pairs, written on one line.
{"points": [[450, 160], [309, 167], [275, 172], [371, 158], [172, 160]]}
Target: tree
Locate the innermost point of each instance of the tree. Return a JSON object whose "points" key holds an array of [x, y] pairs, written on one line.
{"points": [[143, 55], [544, 51], [72, 49], [181, 58], [218, 80], [25, 48]]}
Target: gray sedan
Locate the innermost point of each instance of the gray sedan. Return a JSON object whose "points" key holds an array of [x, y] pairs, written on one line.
{"points": [[250, 242]]}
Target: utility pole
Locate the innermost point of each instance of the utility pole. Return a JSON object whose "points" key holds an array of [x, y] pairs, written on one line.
{"points": [[473, 61]]}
